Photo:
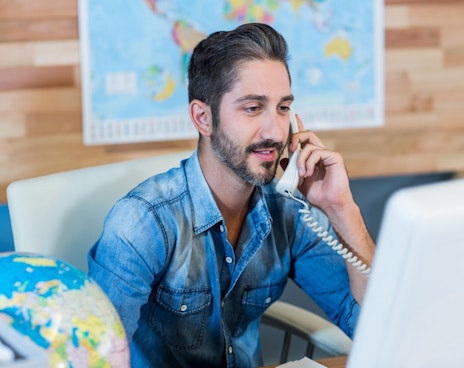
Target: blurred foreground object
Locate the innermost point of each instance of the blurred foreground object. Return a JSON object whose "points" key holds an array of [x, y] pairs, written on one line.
{"points": [[61, 310]]}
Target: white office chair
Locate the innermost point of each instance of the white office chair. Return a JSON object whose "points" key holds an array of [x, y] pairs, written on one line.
{"points": [[62, 215]]}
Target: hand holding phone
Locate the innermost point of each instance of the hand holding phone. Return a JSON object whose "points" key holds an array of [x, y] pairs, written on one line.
{"points": [[287, 186]]}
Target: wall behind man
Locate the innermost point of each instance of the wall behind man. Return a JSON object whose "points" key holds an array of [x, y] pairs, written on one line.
{"points": [[40, 95]]}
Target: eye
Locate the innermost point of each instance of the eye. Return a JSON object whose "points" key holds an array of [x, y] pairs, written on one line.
{"points": [[252, 108], [284, 108]]}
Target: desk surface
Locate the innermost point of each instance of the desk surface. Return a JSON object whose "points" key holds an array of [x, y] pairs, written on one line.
{"points": [[337, 362]]}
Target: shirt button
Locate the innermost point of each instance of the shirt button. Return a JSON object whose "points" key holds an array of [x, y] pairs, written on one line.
{"points": [[231, 350], [183, 307], [229, 259], [222, 304], [221, 228], [268, 300]]}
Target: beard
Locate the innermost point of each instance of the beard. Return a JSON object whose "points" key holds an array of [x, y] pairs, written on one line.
{"points": [[236, 158]]}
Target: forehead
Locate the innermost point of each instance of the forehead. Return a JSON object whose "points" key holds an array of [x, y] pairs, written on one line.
{"points": [[262, 77]]}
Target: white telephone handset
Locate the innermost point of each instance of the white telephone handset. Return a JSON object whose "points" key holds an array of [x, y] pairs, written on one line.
{"points": [[287, 186], [288, 183]]}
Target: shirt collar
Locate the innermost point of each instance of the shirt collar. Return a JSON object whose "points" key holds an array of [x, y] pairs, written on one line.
{"points": [[206, 212]]}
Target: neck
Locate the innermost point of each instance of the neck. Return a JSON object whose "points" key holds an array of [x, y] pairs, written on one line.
{"points": [[231, 193]]}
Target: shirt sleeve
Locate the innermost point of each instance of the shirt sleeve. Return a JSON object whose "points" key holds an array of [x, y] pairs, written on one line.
{"points": [[128, 258], [321, 272]]}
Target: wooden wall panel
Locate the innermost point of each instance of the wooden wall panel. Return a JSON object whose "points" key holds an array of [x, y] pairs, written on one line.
{"points": [[40, 95]]}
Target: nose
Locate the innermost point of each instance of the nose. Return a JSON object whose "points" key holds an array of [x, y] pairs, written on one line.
{"points": [[275, 127]]}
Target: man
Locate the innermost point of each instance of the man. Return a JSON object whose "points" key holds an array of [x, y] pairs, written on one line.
{"points": [[193, 257]]}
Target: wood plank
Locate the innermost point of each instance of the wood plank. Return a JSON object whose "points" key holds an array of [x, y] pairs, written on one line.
{"points": [[449, 161], [36, 77], [396, 17], [452, 36], [454, 57], [65, 52], [421, 2], [448, 80], [15, 54], [422, 102], [42, 155], [24, 9], [47, 154], [408, 163], [49, 29], [412, 37], [12, 126], [397, 81], [451, 100], [43, 100], [404, 94], [43, 124], [437, 13], [39, 53], [414, 120], [449, 120], [335, 362], [408, 59]]}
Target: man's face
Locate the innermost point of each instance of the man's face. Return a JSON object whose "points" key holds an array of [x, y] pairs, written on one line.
{"points": [[254, 121]]}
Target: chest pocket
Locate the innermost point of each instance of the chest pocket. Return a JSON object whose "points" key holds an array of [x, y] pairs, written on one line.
{"points": [[180, 316], [262, 296], [255, 300]]}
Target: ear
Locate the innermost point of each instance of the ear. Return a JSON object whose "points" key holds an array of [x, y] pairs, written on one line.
{"points": [[200, 113]]}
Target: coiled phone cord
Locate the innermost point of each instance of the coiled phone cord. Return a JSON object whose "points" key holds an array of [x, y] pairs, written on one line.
{"points": [[329, 239]]}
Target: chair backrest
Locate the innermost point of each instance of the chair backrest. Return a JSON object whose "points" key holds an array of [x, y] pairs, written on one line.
{"points": [[62, 214]]}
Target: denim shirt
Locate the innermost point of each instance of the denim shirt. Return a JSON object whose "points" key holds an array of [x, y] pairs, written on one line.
{"points": [[185, 296]]}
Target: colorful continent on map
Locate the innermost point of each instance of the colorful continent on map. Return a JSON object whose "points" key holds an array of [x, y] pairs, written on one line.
{"points": [[250, 10], [338, 46], [161, 84]]}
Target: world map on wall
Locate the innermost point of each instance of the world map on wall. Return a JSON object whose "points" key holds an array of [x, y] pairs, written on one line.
{"points": [[135, 56]]}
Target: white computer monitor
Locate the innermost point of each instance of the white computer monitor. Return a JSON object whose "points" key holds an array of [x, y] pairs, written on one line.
{"points": [[413, 311]]}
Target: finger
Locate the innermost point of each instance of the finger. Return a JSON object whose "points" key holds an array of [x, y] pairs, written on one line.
{"points": [[311, 156], [308, 161], [312, 138], [300, 123], [304, 138]]}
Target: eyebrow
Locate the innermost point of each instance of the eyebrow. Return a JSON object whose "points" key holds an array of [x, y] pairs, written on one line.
{"points": [[252, 97]]}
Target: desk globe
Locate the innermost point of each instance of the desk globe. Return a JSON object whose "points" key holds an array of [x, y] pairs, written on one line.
{"points": [[62, 310]]}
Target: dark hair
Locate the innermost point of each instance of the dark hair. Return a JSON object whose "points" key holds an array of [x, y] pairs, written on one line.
{"points": [[214, 65]]}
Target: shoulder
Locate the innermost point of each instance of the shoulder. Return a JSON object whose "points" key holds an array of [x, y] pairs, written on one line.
{"points": [[163, 187]]}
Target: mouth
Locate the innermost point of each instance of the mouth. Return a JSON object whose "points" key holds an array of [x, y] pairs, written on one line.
{"points": [[267, 154]]}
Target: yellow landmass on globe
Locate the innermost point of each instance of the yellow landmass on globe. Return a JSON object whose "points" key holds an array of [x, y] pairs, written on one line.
{"points": [[44, 287], [47, 262], [339, 46]]}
